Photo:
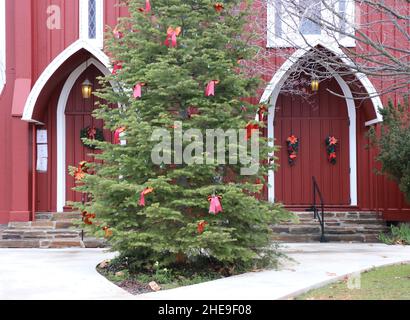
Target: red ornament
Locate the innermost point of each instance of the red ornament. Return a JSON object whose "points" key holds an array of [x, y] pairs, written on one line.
{"points": [[143, 194], [215, 204], [201, 226], [172, 34], [210, 88]]}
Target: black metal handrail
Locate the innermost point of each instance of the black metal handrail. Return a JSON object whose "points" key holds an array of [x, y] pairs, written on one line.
{"points": [[315, 209]]}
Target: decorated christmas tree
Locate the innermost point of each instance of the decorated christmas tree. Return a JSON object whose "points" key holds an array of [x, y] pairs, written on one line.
{"points": [[178, 69]]}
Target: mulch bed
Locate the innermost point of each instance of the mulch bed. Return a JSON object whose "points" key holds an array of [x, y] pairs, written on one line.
{"points": [[134, 287]]}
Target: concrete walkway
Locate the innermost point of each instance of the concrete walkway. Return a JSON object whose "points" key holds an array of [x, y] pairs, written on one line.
{"points": [[70, 274]]}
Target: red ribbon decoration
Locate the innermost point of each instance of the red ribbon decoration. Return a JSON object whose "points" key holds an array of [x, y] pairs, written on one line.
{"points": [[201, 226], [138, 90], [215, 204], [117, 135], [262, 113], [219, 7], [147, 7], [107, 231], [87, 218], [250, 127], [118, 34], [172, 34], [81, 171], [117, 67], [210, 88], [143, 194], [91, 133]]}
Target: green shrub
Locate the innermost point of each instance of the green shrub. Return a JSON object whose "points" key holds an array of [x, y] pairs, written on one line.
{"points": [[398, 235]]}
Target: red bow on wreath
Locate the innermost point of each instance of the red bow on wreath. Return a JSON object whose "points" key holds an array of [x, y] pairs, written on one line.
{"points": [[331, 143], [91, 133], [293, 148]]}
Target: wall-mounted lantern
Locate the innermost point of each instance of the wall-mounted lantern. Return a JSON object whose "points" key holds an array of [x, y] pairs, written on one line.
{"points": [[86, 89]]}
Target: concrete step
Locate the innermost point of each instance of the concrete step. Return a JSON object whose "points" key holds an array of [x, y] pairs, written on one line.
{"points": [[16, 234]]}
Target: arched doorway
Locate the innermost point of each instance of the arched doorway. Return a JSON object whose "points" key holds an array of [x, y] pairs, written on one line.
{"points": [[78, 117], [312, 120]]}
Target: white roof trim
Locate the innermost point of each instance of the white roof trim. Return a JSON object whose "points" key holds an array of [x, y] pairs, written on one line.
{"points": [[286, 67], [53, 67]]}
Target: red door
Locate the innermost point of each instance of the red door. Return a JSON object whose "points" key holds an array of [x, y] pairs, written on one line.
{"points": [[78, 116], [312, 122]]}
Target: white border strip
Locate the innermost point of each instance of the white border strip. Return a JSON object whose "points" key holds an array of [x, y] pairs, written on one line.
{"points": [[3, 52]]}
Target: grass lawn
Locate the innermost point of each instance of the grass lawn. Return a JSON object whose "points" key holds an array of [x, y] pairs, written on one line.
{"points": [[384, 283]]}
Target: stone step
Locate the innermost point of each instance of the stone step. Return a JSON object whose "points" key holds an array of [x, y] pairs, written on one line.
{"points": [[16, 234], [42, 244]]}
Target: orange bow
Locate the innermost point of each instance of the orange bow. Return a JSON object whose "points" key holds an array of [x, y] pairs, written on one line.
{"points": [[201, 226], [108, 232], [87, 217], [172, 35], [81, 171]]}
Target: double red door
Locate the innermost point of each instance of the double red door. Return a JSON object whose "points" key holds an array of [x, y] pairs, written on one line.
{"points": [[312, 121]]}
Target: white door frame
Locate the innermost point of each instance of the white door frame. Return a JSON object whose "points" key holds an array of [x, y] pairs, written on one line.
{"points": [[61, 127]]}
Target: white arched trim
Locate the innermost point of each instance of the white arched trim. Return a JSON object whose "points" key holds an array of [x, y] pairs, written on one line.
{"points": [[280, 77], [271, 95], [54, 66], [61, 127]]}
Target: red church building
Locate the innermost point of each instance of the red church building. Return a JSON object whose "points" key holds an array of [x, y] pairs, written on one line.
{"points": [[48, 48]]}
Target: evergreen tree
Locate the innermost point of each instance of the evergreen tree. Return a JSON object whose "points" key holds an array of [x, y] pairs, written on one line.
{"points": [[164, 57], [393, 142]]}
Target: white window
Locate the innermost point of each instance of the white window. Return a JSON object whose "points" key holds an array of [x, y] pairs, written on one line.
{"points": [[2, 44], [293, 23], [92, 21]]}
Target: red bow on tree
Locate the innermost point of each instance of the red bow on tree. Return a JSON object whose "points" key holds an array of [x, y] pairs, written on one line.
{"points": [[250, 127], [81, 171], [218, 7], [117, 34], [172, 34], [117, 135], [138, 90], [147, 7], [262, 112], [143, 194], [117, 67], [215, 204], [210, 88], [201, 226], [107, 232], [87, 217]]}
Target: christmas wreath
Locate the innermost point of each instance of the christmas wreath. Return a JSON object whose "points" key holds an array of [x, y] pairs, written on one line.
{"points": [[293, 148], [91, 133], [331, 143]]}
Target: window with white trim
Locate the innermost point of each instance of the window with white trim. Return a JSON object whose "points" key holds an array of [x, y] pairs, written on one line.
{"points": [[294, 23], [91, 21], [2, 44]]}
